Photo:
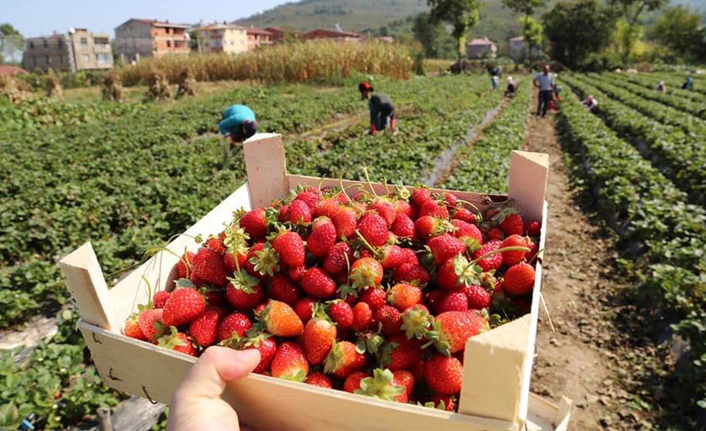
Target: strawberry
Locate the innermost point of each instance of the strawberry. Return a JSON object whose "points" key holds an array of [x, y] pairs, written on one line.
{"points": [[390, 319], [519, 279], [362, 317], [319, 379], [298, 212], [309, 198], [204, 329], [385, 209], [420, 196], [401, 353], [375, 297], [382, 385], [341, 313], [150, 323], [466, 215], [373, 229], [267, 347], [234, 323], [457, 272], [282, 213], [178, 341], [512, 257], [290, 247], [444, 247], [304, 309], [409, 272], [132, 328], [281, 320], [495, 234], [353, 380], [208, 268], [407, 255], [290, 362], [404, 207], [404, 379], [183, 306], [244, 292], [261, 260], [296, 273], [328, 207], [513, 225], [453, 328], [444, 402], [478, 298], [366, 272], [404, 295], [533, 229], [319, 337], [403, 226], [346, 222], [160, 298], [433, 299], [338, 258], [427, 226], [453, 301], [489, 263], [431, 208], [229, 261], [185, 264], [215, 244], [322, 237], [416, 321], [343, 359], [463, 229], [391, 256], [254, 223], [215, 297], [283, 289], [451, 200], [317, 283], [444, 375]]}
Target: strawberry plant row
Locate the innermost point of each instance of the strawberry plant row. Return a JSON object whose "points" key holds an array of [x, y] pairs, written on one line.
{"points": [[667, 234], [679, 156], [484, 165], [651, 81], [676, 80]]}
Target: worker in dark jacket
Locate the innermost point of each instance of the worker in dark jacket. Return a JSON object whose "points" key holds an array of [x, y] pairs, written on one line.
{"points": [[382, 110], [238, 123]]}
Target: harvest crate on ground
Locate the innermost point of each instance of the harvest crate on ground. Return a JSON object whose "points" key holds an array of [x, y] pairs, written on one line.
{"points": [[497, 367]]}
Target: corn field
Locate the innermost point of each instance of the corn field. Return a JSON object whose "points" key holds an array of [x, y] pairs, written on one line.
{"points": [[322, 61]]}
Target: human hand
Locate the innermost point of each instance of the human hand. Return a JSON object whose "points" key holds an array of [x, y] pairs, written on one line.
{"points": [[197, 402]]}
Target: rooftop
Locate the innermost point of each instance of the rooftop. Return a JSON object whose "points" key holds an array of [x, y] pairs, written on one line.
{"points": [[255, 30], [217, 26], [156, 23], [337, 32], [6, 69], [483, 41]]}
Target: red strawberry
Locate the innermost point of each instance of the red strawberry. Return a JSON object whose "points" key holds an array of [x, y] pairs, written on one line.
{"points": [[519, 279], [495, 234], [322, 237], [282, 214], [374, 297], [215, 244], [433, 299], [183, 306], [366, 272], [453, 301], [208, 268], [456, 272], [229, 261], [404, 207], [304, 309], [346, 222], [420, 196], [254, 223], [444, 375], [179, 342], [283, 289], [341, 313], [385, 209], [453, 328], [444, 402], [132, 328], [407, 255], [267, 347], [373, 228], [513, 225], [494, 261], [404, 379], [319, 337], [478, 297], [404, 295], [382, 385], [260, 260], [338, 258], [466, 215], [160, 298], [533, 229], [150, 323], [290, 362], [353, 380], [444, 247], [185, 264], [403, 226], [390, 319], [327, 208], [235, 323], [244, 295], [392, 256], [467, 230], [204, 328], [309, 198], [512, 257], [319, 379], [431, 208], [450, 200], [409, 272], [298, 212], [362, 317], [317, 283], [281, 320], [296, 273], [343, 359], [402, 353], [427, 226], [290, 247]]}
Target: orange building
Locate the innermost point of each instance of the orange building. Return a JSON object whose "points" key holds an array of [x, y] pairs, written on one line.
{"points": [[138, 38], [258, 37]]}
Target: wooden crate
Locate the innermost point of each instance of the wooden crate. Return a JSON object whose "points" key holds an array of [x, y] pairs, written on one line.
{"points": [[498, 363]]}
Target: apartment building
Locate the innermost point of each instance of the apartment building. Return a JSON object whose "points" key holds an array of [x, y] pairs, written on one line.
{"points": [[226, 38], [258, 37], [137, 38], [76, 50]]}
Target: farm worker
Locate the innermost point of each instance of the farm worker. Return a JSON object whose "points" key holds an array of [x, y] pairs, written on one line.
{"points": [[689, 84], [591, 103], [661, 87], [382, 109], [510, 90], [238, 122], [197, 403], [545, 82], [494, 81], [557, 92]]}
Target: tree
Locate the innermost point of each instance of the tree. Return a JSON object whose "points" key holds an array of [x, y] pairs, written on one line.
{"points": [[575, 30], [461, 14], [631, 11], [11, 42], [678, 29], [433, 36], [531, 29]]}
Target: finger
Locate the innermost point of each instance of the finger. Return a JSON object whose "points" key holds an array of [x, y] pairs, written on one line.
{"points": [[216, 367]]}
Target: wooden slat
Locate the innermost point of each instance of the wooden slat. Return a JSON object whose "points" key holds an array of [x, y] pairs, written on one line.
{"points": [[528, 182], [267, 168]]}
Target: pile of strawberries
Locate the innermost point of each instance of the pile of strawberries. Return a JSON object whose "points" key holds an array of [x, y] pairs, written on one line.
{"points": [[375, 295]]}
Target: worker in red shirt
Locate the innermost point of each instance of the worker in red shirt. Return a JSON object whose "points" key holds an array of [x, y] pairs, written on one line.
{"points": [[382, 110]]}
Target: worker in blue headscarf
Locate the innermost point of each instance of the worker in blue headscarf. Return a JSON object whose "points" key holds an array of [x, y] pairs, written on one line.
{"points": [[238, 123]]}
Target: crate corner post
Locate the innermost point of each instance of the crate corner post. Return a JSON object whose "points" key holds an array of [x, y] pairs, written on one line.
{"points": [[527, 184], [85, 281], [266, 166]]}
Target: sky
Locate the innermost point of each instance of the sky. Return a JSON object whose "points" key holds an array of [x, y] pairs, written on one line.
{"points": [[41, 17]]}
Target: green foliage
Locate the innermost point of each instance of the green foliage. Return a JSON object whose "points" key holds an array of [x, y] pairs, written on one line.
{"points": [[679, 29], [11, 42], [437, 42], [462, 15], [631, 11]]}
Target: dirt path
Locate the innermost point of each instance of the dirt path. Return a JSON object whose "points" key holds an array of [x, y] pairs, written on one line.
{"points": [[574, 361]]}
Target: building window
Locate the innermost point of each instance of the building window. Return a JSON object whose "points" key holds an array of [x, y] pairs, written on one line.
{"points": [[169, 44], [45, 43], [31, 45], [167, 30], [48, 60], [84, 41], [86, 58], [61, 43]]}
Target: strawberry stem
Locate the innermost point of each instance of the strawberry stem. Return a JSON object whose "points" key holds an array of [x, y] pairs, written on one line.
{"points": [[370, 184], [500, 250]]}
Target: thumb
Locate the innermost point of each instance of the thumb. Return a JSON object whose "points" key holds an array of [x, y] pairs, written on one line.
{"points": [[217, 366]]}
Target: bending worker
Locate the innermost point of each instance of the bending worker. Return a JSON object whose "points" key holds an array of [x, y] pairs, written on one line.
{"points": [[382, 109], [238, 123]]}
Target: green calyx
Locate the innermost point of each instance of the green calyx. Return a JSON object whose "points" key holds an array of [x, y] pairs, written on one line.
{"points": [[171, 340], [436, 338], [266, 261], [244, 281], [295, 375], [363, 278], [333, 359], [467, 272], [369, 342], [236, 240], [416, 323], [380, 385], [346, 289]]}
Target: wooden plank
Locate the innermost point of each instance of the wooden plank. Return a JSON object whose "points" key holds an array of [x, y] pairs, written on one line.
{"points": [[528, 182], [266, 165], [134, 414]]}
